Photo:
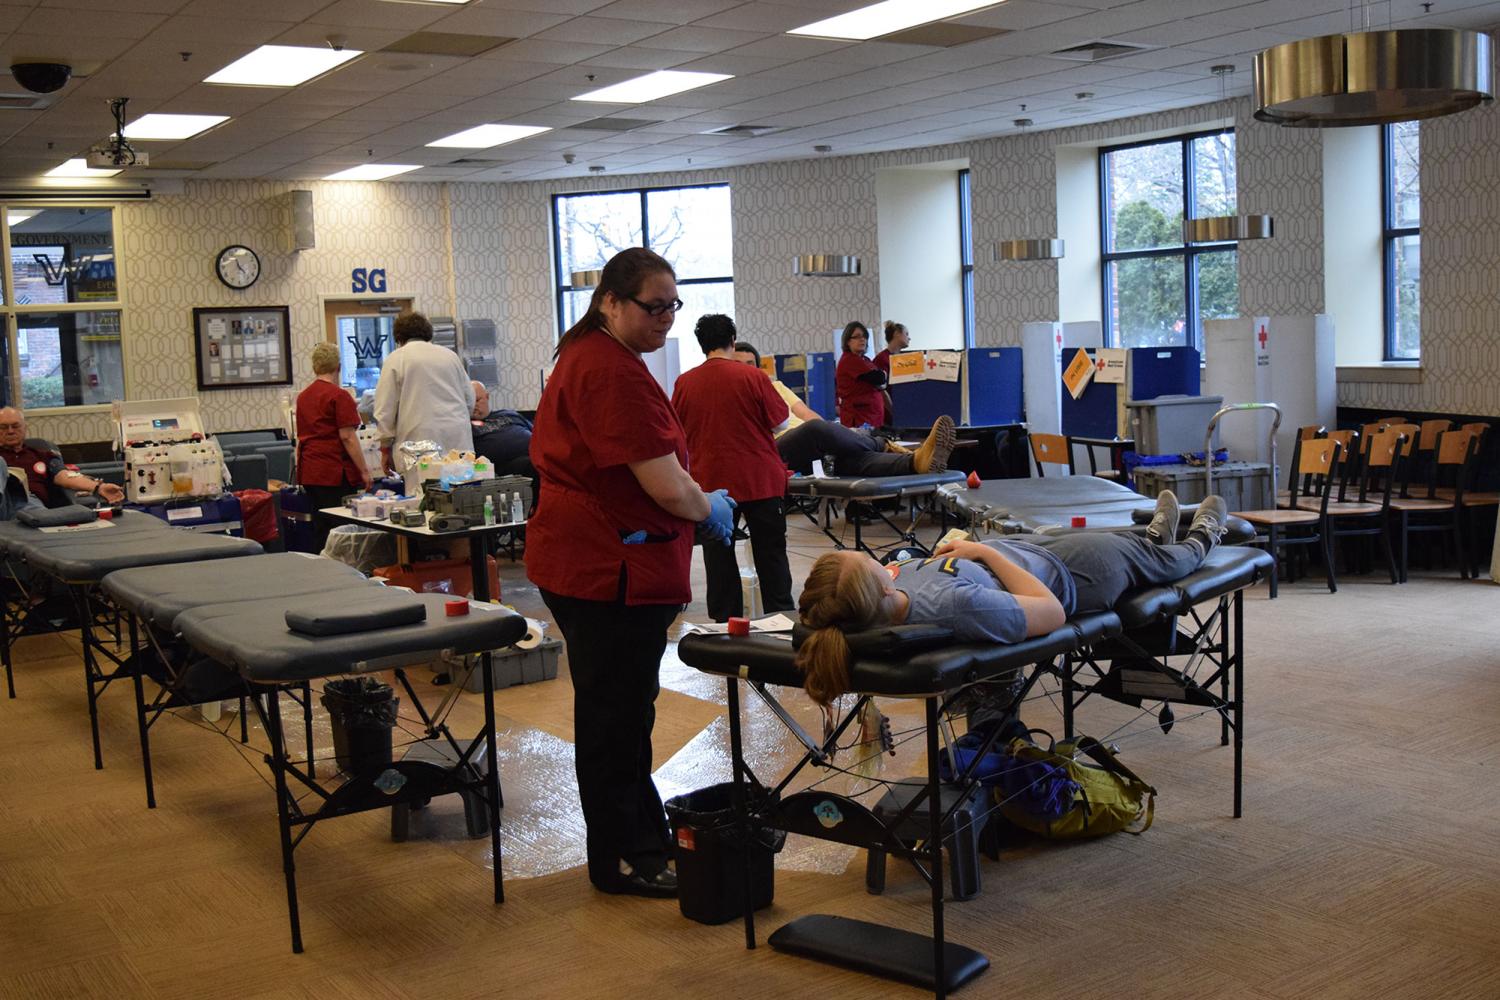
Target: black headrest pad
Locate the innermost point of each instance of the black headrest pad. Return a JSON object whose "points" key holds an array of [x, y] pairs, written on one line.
{"points": [[889, 640], [51, 517], [356, 611]]}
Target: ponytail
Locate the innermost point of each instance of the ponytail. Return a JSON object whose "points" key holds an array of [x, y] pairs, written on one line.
{"points": [[825, 659], [622, 277], [840, 595]]}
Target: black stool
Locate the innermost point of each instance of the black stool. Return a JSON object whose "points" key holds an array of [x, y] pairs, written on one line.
{"points": [[960, 833], [436, 753]]}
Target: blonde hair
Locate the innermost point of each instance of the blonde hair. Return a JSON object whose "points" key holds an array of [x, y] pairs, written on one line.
{"points": [[838, 597], [325, 359], [892, 328]]}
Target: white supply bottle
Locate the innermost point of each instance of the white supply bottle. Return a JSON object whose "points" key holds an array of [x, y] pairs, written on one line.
{"points": [[517, 509]]}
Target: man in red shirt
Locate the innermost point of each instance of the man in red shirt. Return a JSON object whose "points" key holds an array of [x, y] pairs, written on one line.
{"points": [[896, 341], [730, 412], [44, 468]]}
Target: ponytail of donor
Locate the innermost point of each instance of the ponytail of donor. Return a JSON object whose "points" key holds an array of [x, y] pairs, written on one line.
{"points": [[841, 595]]}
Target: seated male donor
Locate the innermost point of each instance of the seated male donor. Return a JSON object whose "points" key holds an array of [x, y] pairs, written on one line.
{"points": [[729, 413], [44, 469], [1000, 590], [804, 438], [502, 436]]}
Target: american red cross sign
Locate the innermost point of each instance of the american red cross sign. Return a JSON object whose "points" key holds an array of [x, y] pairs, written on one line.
{"points": [[931, 364], [1262, 338]]}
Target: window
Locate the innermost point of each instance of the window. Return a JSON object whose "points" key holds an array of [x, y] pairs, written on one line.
{"points": [[966, 253], [1401, 154], [1158, 290], [59, 312], [689, 226]]}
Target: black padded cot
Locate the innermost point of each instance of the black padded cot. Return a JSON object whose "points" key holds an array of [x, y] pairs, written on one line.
{"points": [[1144, 632], [825, 491]]}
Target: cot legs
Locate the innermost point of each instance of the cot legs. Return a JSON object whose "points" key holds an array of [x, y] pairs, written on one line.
{"points": [[90, 670], [935, 845], [492, 780], [140, 711], [1238, 644], [277, 759], [741, 808]]}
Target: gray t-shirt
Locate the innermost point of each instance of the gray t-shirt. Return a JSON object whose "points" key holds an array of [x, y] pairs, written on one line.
{"points": [[966, 597]]}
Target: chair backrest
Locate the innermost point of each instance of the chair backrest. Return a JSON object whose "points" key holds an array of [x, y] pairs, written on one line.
{"points": [[1453, 447], [1380, 452], [1303, 434], [1317, 468], [1367, 432], [1431, 431], [1411, 433], [1309, 432], [1391, 420], [1052, 449], [1383, 459], [1351, 448]]}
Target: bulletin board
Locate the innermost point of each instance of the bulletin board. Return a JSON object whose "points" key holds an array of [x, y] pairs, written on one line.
{"points": [[237, 348]]}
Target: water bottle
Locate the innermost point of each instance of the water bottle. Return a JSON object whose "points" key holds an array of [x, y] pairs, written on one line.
{"points": [[517, 509], [489, 510]]}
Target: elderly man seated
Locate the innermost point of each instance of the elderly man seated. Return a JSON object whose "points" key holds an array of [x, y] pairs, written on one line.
{"points": [[502, 436], [40, 469]]}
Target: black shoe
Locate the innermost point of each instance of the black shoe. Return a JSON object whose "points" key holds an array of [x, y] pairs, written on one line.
{"points": [[662, 885]]}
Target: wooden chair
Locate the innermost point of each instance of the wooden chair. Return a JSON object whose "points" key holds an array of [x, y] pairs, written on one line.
{"points": [[1391, 420], [1051, 449], [1351, 447], [1431, 513], [1308, 433], [1369, 514], [1312, 481]]}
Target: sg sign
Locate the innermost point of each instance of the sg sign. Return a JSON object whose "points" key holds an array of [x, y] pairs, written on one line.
{"points": [[371, 280]]}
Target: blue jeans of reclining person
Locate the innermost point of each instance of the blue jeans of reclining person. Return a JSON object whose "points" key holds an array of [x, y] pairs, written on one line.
{"points": [[1106, 565], [855, 453]]}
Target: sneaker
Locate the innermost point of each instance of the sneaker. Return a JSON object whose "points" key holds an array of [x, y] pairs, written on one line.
{"points": [[1163, 528], [932, 455], [1209, 524]]}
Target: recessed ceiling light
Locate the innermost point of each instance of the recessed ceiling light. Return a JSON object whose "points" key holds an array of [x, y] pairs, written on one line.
{"points": [[281, 66], [16, 216], [449, 3], [171, 126], [78, 168], [373, 171], [485, 136], [892, 15], [652, 86]]}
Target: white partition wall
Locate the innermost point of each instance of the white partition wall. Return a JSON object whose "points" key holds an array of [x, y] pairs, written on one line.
{"points": [[664, 365], [1041, 375]]}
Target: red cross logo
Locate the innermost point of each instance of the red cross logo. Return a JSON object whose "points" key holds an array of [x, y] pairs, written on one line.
{"points": [[931, 363], [1262, 338], [1059, 340], [1099, 364]]}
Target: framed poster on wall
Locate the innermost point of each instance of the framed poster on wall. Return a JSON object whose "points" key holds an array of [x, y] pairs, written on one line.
{"points": [[238, 347]]}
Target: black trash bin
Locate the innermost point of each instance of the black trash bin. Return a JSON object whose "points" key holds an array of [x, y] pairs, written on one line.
{"points": [[362, 713], [711, 853]]}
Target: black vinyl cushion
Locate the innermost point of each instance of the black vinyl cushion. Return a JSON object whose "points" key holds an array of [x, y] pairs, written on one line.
{"points": [[892, 640], [50, 517], [878, 950], [356, 611], [871, 487], [91, 557]]}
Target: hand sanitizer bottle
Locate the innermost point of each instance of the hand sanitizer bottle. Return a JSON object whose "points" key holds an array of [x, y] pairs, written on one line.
{"points": [[489, 510], [517, 509]]}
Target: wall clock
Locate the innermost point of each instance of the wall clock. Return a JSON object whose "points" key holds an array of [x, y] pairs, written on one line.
{"points": [[237, 266]]}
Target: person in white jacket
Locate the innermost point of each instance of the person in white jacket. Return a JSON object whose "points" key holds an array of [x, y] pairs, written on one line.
{"points": [[423, 394]]}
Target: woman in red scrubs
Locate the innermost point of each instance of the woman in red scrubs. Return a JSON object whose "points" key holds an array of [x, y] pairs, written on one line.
{"points": [[858, 381], [330, 464], [609, 547]]}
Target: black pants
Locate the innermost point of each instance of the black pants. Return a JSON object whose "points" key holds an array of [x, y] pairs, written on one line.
{"points": [[614, 653], [320, 497], [766, 520], [855, 453]]}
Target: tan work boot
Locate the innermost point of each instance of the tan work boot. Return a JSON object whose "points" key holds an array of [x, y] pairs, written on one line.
{"points": [[896, 447], [932, 454]]}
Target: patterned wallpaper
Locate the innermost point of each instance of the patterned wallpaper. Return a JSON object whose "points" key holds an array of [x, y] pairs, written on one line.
{"points": [[484, 250]]}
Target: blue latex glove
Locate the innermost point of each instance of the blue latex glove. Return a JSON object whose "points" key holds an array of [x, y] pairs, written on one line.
{"points": [[718, 526]]}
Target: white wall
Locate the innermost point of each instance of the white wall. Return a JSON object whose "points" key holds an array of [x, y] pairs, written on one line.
{"points": [[920, 259], [1079, 273], [1352, 248]]}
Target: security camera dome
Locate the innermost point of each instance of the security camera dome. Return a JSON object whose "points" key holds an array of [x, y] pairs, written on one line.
{"points": [[41, 77]]}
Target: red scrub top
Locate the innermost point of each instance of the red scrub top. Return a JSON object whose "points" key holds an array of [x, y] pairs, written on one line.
{"points": [[859, 402], [730, 411], [883, 362], [600, 411], [323, 408]]}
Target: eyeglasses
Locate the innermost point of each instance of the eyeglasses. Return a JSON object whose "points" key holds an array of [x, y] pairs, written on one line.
{"points": [[657, 308]]}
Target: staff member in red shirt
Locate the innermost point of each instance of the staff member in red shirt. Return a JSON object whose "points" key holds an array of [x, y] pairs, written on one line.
{"points": [[610, 547], [896, 341], [330, 464], [859, 383], [730, 412], [44, 468]]}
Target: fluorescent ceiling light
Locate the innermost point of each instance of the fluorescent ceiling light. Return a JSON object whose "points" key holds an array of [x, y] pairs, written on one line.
{"points": [[373, 171], [16, 216], [450, 3], [78, 168], [281, 66], [171, 126], [884, 18], [485, 136], [652, 86]]}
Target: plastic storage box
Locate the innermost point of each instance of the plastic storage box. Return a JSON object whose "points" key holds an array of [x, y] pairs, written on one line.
{"points": [[1172, 425], [1243, 485], [519, 666]]}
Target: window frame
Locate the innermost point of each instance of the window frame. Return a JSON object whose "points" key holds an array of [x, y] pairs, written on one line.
{"points": [[1390, 234], [966, 251], [561, 279], [1190, 252], [11, 311]]}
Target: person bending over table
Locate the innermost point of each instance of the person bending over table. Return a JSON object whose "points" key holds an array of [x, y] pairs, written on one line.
{"points": [[330, 464], [730, 413], [858, 382], [43, 468], [896, 341], [1000, 590], [610, 547], [805, 437]]}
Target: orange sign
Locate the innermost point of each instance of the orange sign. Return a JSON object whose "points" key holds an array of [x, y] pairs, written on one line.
{"points": [[1079, 371], [908, 366]]}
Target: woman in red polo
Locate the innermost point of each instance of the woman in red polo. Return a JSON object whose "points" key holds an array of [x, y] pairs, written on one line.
{"points": [[609, 547], [858, 381], [330, 464]]}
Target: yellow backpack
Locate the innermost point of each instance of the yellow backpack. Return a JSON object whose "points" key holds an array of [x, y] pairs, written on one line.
{"points": [[1053, 792]]}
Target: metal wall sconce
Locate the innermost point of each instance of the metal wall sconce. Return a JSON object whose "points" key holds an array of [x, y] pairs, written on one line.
{"points": [[825, 265]]}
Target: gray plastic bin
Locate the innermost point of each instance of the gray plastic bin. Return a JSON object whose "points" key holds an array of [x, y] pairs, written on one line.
{"points": [[1243, 485], [1172, 425], [519, 666]]}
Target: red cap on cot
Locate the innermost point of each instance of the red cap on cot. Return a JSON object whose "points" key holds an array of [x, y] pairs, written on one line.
{"points": [[105, 513], [973, 480], [739, 626], [1079, 521], [456, 609]]}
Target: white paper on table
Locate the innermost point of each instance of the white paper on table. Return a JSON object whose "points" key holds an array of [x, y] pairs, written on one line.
{"points": [[817, 468], [769, 624]]}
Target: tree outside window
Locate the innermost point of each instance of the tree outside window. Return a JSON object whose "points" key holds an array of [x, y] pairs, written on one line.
{"points": [[1158, 290], [1402, 225]]}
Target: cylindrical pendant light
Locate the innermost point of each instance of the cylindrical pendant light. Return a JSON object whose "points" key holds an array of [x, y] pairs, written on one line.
{"points": [[825, 265], [1038, 249], [585, 279], [1225, 228], [1373, 77]]}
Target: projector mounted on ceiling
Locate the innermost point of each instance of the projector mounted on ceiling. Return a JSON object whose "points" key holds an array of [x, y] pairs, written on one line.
{"points": [[116, 153]]}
